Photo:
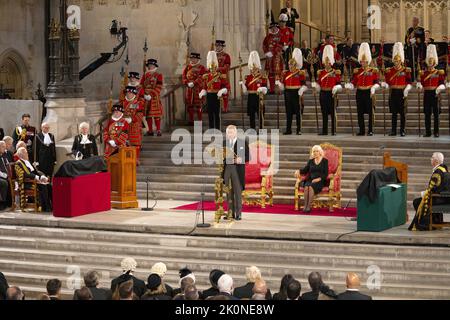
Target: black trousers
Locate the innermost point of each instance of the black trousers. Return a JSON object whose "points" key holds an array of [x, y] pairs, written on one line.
{"points": [[45, 196], [213, 104], [396, 107], [431, 107], [292, 108], [437, 217], [253, 110], [364, 106], [328, 109]]}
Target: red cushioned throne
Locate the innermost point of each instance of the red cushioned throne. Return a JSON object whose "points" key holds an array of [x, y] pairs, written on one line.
{"points": [[331, 194], [259, 175]]}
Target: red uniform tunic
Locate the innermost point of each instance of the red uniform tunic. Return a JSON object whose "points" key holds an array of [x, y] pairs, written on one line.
{"points": [[152, 84], [432, 79], [116, 131], [254, 83], [224, 68], [293, 80], [287, 36], [327, 80], [398, 78], [194, 74], [213, 82], [275, 65], [135, 110], [365, 79]]}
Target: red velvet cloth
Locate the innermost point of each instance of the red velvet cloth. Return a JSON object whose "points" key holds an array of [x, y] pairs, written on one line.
{"points": [[74, 197], [261, 157]]}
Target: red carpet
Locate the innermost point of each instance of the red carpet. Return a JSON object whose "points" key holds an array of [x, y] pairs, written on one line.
{"points": [[276, 209]]}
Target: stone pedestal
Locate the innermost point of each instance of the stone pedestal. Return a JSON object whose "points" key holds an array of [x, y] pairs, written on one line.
{"points": [[64, 116]]}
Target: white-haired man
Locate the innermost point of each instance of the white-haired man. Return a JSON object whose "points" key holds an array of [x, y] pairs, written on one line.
{"points": [[234, 170], [5, 195], [129, 266], [25, 170], [9, 153], [226, 286], [439, 182], [253, 275], [45, 150]]}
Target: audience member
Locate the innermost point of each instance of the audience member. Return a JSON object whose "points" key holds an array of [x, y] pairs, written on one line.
{"points": [[184, 273], [3, 286], [83, 294], [353, 285], [315, 282], [129, 266], [14, 293], [161, 269], [91, 281], [325, 293], [19, 145], [5, 193], [54, 289], [125, 290], [185, 282], [253, 274], [282, 295], [214, 276], [191, 293], [156, 289], [225, 285], [294, 290], [260, 290]]}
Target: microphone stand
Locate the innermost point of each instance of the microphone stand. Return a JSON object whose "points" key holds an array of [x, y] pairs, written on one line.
{"points": [[203, 224], [147, 209]]}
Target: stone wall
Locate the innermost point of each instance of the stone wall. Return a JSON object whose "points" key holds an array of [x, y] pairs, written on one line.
{"points": [[22, 46]]}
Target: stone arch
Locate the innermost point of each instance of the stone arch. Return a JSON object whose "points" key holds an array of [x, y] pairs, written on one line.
{"points": [[14, 74]]}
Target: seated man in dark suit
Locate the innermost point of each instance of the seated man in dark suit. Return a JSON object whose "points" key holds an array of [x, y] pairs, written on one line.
{"points": [[129, 265], [225, 285], [352, 293], [214, 276], [25, 170], [315, 282], [9, 153], [253, 274], [91, 281], [438, 183]]}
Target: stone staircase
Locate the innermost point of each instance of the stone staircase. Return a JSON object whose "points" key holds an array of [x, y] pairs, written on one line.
{"points": [[30, 256]]}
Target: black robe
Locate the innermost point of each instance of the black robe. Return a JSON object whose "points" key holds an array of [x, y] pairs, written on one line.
{"points": [[46, 155], [87, 150]]}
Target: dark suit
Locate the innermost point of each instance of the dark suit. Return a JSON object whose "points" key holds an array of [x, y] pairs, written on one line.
{"points": [[294, 15], [353, 295], [27, 135], [100, 294], [229, 296], [139, 287], [3, 286], [310, 296], [246, 292], [2, 133], [9, 155], [5, 194], [46, 154], [236, 174], [211, 292]]}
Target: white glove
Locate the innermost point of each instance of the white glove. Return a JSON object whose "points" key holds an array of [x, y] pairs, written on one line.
{"points": [[422, 194], [269, 55], [336, 89], [374, 89], [413, 41], [36, 164], [244, 88], [447, 85], [190, 84], [315, 86], [384, 85], [440, 89], [113, 143], [279, 85], [29, 143], [3, 175], [129, 120], [222, 92], [44, 179], [407, 90], [302, 90], [349, 86], [419, 86], [285, 48], [203, 93], [262, 90], [148, 97]]}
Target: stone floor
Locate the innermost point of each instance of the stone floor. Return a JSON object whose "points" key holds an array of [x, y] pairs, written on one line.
{"points": [[164, 220]]}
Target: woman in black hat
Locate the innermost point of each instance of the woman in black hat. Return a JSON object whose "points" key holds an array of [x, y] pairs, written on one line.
{"points": [[156, 289]]}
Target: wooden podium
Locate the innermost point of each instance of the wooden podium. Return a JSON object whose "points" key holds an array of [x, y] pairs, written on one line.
{"points": [[122, 167]]}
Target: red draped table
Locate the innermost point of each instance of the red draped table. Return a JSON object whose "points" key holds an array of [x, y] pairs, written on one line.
{"points": [[74, 197]]}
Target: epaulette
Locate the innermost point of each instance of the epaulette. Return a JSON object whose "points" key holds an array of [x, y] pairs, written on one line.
{"points": [[375, 70], [441, 72], [302, 72], [355, 71], [388, 69], [205, 76], [408, 69], [338, 72], [223, 76]]}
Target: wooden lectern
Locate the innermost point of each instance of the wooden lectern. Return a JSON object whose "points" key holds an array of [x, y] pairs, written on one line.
{"points": [[122, 167], [402, 171]]}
